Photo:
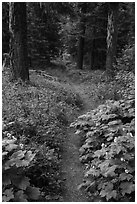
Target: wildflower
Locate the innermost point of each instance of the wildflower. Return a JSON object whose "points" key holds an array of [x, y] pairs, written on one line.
{"points": [[14, 138], [21, 145], [102, 145], [115, 139], [131, 134], [126, 171], [8, 134]]}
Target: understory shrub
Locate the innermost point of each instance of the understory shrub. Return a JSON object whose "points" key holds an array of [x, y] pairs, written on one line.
{"points": [[16, 160], [127, 59], [124, 80], [30, 165], [34, 121], [119, 88], [108, 151]]}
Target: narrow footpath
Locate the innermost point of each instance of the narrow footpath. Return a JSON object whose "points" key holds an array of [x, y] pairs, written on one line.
{"points": [[72, 169]]}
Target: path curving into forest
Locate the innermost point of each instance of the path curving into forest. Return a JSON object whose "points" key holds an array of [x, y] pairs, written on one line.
{"points": [[71, 167]]}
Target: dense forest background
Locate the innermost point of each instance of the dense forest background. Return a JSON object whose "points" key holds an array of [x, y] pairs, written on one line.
{"points": [[72, 29], [60, 61]]}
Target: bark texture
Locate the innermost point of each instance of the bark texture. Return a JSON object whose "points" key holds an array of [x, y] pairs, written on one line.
{"points": [[18, 41], [112, 31], [81, 36], [92, 52], [81, 45]]}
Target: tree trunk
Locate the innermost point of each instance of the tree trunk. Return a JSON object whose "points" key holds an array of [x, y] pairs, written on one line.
{"points": [[18, 41], [92, 52], [111, 37], [81, 45], [83, 9]]}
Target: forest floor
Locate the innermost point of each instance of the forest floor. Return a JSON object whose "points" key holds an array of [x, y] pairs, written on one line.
{"points": [[38, 115], [59, 96], [72, 171], [82, 83]]}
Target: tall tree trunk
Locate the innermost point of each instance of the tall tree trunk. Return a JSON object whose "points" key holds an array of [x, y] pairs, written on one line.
{"points": [[111, 36], [18, 41], [83, 9], [92, 52], [81, 45]]}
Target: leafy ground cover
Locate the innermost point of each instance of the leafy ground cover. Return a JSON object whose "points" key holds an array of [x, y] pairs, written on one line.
{"points": [[108, 151], [38, 143], [34, 120], [108, 134]]}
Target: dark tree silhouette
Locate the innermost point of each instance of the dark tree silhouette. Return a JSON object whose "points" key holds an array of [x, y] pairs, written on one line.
{"points": [[81, 36], [18, 41]]}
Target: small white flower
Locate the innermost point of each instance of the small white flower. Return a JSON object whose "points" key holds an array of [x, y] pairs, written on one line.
{"points": [[102, 145], [126, 171], [131, 134], [14, 138], [8, 134], [21, 145], [122, 159], [115, 139]]}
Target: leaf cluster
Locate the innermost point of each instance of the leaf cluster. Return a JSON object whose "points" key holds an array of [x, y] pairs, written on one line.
{"points": [[121, 87], [127, 60], [16, 162], [108, 151]]}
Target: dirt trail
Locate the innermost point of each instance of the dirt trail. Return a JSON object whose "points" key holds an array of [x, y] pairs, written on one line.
{"points": [[72, 169]]}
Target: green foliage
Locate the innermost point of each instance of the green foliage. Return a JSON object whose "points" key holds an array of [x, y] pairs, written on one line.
{"points": [[16, 160], [127, 60], [108, 151], [35, 116], [121, 87], [126, 25]]}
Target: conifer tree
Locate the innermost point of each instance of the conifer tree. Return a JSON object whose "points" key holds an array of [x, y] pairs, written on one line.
{"points": [[18, 41], [111, 36]]}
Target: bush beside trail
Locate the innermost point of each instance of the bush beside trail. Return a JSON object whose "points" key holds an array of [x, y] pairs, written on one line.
{"points": [[35, 116], [108, 150]]}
